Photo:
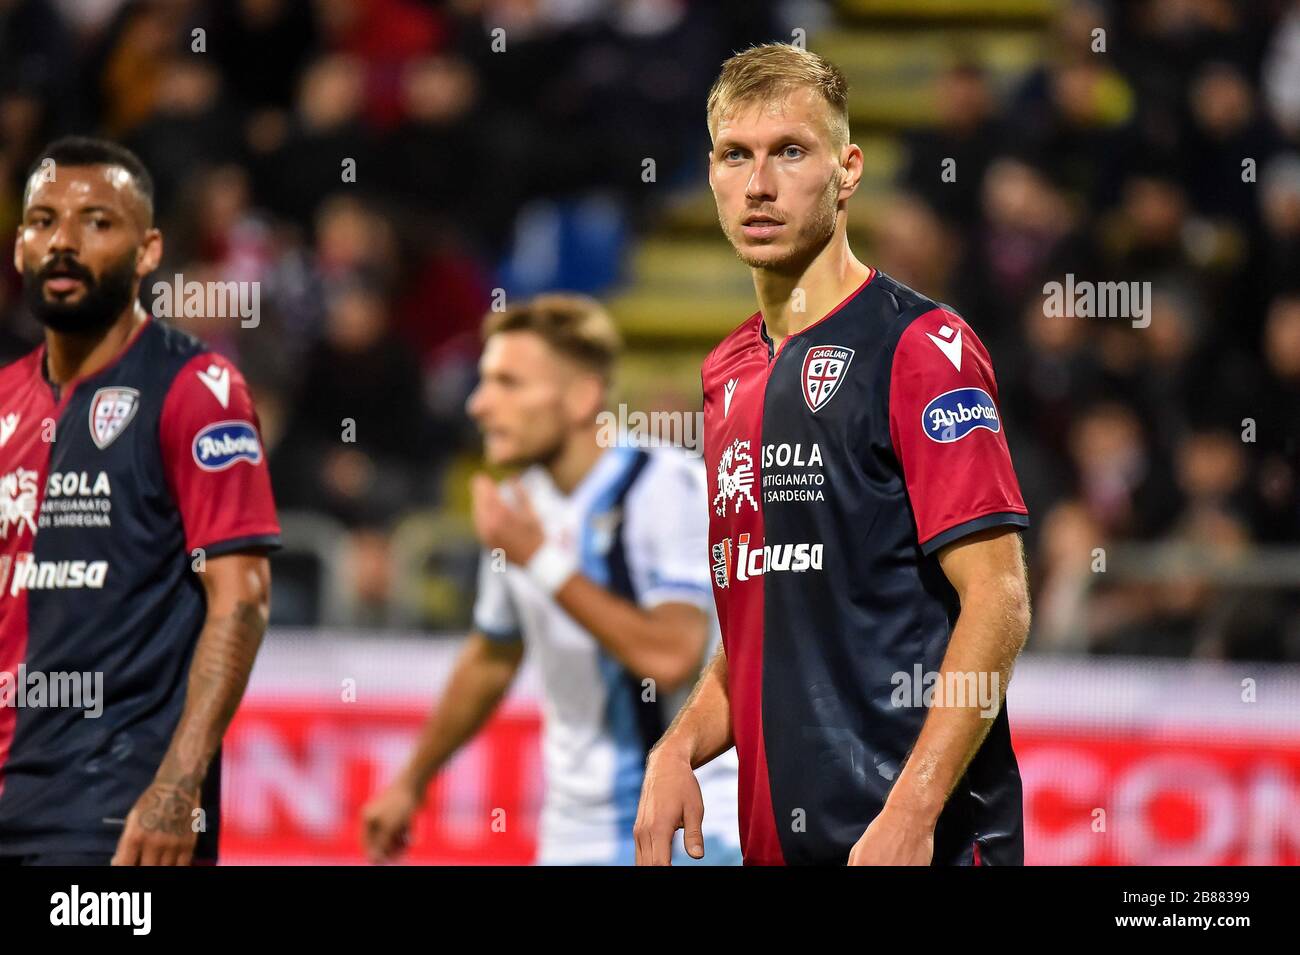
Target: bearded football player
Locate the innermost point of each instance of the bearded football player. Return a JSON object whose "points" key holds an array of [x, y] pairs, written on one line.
{"points": [[865, 526], [135, 521]]}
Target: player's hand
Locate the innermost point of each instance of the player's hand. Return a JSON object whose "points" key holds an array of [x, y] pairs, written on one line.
{"points": [[386, 822], [670, 800], [513, 527], [160, 827], [894, 838]]}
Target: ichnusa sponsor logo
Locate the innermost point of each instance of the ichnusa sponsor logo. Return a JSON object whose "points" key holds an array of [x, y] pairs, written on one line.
{"points": [[32, 574], [954, 414], [226, 443], [768, 559]]}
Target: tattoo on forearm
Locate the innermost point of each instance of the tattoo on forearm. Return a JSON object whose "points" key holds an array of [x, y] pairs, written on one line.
{"points": [[218, 676]]}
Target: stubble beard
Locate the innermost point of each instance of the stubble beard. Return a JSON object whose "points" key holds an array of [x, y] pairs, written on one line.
{"points": [[811, 239], [542, 455]]}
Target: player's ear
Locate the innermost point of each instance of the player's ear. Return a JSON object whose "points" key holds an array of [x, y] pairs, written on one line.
{"points": [[150, 254], [850, 169], [18, 249], [586, 397]]}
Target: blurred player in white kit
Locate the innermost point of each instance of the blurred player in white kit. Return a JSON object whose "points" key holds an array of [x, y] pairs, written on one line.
{"points": [[595, 562]]}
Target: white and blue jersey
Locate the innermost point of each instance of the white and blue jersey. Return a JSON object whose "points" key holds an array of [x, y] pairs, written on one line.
{"points": [[638, 524]]}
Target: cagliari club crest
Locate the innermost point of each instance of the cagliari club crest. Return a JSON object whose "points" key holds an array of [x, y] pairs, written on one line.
{"points": [[823, 370], [111, 410]]}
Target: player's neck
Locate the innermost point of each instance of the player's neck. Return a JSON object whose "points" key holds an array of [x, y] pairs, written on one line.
{"points": [[792, 301], [69, 357], [575, 461]]}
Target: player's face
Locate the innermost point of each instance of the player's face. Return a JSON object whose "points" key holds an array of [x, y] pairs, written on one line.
{"points": [[524, 401], [83, 247], [776, 178]]}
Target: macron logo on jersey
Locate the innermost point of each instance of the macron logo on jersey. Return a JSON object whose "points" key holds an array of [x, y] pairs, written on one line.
{"points": [[217, 380], [728, 390], [8, 425], [226, 443], [948, 342], [954, 414]]}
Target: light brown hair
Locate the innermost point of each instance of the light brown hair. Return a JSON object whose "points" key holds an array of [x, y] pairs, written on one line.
{"points": [[576, 326], [770, 72]]}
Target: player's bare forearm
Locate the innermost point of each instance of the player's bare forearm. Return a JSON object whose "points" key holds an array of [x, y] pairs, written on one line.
{"points": [[701, 730], [483, 673], [161, 827], [664, 643], [988, 572], [238, 590]]}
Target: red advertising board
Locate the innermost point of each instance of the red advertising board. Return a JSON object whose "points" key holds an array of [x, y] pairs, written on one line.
{"points": [[1123, 763], [296, 775]]}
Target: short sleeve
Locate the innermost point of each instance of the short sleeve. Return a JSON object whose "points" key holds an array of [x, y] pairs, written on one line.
{"points": [[214, 460], [668, 531], [947, 432], [494, 610]]}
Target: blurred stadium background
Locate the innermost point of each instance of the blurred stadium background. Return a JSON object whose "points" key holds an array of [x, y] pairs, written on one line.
{"points": [[1157, 711]]}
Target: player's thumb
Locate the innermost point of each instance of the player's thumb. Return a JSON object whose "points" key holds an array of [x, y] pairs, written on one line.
{"points": [[693, 832]]}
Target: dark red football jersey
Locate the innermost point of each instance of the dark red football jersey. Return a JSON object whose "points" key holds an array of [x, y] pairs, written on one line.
{"points": [[839, 464], [110, 489]]}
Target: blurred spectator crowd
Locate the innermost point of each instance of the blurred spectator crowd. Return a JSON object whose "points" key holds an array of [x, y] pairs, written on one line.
{"points": [[1174, 444], [1158, 455], [479, 160]]}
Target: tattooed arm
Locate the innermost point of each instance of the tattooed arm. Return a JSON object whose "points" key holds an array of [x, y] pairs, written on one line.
{"points": [[160, 828]]}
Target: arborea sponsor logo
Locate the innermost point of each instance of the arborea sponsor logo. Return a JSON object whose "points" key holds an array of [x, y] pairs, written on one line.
{"points": [[750, 562], [954, 414], [25, 572], [224, 444], [951, 688], [37, 689]]}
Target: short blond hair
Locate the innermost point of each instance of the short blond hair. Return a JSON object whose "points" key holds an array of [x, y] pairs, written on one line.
{"points": [[575, 326], [770, 72]]}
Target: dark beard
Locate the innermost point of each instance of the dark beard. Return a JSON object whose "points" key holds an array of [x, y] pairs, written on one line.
{"points": [[99, 307]]}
